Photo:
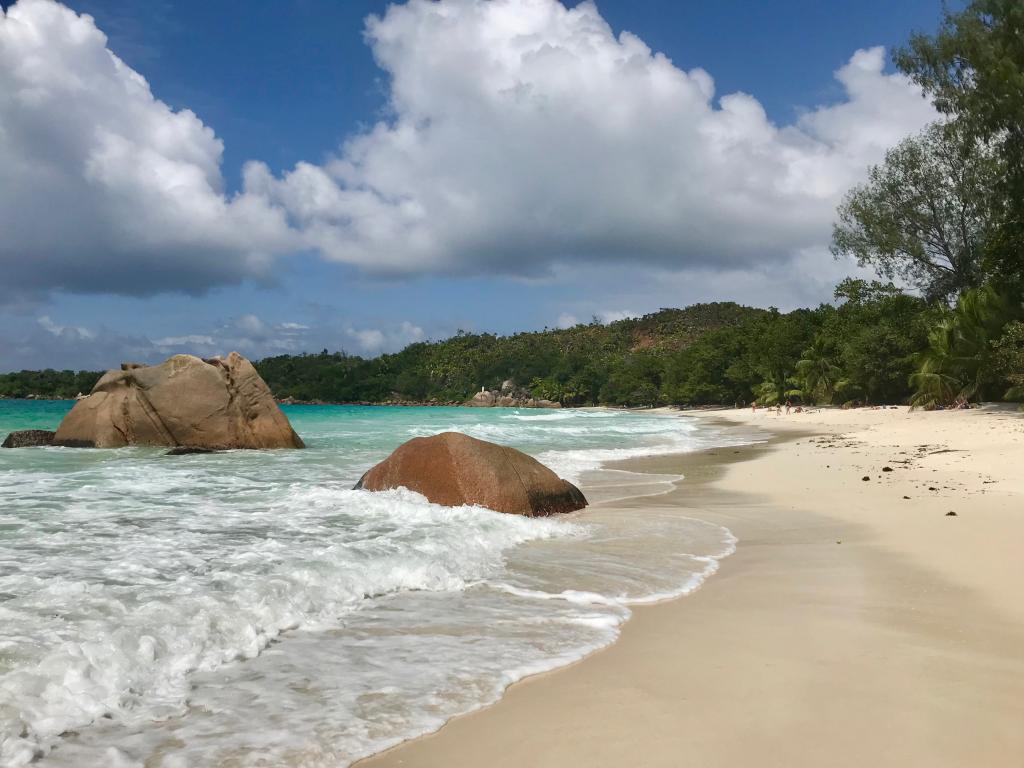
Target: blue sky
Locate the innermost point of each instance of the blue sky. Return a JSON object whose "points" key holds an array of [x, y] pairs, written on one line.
{"points": [[459, 165]]}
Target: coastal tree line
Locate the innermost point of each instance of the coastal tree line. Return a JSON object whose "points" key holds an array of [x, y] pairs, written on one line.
{"points": [[941, 221], [868, 346]]}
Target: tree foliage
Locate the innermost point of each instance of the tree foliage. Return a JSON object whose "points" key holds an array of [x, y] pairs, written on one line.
{"points": [[1009, 359], [973, 70], [704, 354], [960, 360], [47, 383], [622, 363], [926, 214]]}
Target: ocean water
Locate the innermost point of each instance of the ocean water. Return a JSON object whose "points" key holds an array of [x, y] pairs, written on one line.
{"points": [[249, 609]]}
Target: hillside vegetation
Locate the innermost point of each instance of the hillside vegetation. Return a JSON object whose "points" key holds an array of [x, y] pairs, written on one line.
{"points": [[49, 383], [624, 362], [863, 348], [875, 344]]}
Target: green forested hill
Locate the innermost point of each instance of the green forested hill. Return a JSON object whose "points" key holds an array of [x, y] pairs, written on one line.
{"points": [[622, 362], [870, 346], [862, 349]]}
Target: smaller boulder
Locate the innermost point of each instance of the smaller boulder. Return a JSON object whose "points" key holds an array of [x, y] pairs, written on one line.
{"points": [[28, 438], [453, 469], [482, 399]]}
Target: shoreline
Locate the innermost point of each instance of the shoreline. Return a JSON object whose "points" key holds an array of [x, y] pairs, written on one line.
{"points": [[881, 632], [696, 468]]}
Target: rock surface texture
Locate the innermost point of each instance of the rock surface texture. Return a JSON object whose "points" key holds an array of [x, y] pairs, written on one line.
{"points": [[28, 438], [184, 401], [454, 469]]}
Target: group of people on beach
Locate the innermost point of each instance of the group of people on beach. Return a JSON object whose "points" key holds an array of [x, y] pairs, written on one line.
{"points": [[778, 408], [960, 403]]}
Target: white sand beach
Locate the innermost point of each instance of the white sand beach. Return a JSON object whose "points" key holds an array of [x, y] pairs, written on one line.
{"points": [[857, 624]]}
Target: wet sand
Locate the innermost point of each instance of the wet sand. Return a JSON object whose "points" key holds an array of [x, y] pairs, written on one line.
{"points": [[852, 627]]}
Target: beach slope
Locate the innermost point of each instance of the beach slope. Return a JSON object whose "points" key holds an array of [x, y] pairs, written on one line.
{"points": [[857, 624]]}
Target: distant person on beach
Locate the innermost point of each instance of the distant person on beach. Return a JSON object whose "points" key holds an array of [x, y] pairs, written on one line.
{"points": [[789, 404], [753, 407]]}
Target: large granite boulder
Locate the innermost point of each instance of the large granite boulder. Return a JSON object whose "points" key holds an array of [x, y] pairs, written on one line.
{"points": [[454, 469], [185, 401], [28, 438]]}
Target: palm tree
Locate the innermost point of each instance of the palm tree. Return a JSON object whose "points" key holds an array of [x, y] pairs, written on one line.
{"points": [[768, 392], [942, 375], [817, 372], [958, 361]]}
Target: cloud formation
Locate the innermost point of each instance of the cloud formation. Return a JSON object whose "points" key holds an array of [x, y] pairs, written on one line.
{"points": [[526, 134], [603, 316], [71, 333], [373, 341], [522, 135], [104, 188]]}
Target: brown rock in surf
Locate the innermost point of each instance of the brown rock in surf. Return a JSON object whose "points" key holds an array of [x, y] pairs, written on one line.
{"points": [[28, 438], [184, 401], [454, 469]]}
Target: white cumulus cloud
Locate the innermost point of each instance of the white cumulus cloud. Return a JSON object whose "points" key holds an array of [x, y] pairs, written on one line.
{"points": [[69, 332], [566, 320], [526, 134], [102, 186], [611, 315], [373, 341], [603, 316], [522, 135]]}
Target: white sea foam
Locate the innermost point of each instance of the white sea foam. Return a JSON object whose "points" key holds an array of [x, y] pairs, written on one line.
{"points": [[116, 625], [574, 414], [586, 440], [132, 585]]}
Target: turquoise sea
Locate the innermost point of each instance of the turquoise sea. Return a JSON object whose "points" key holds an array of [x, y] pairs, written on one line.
{"points": [[248, 608]]}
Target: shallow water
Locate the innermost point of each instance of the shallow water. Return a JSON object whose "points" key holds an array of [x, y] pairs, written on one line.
{"points": [[247, 608]]}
